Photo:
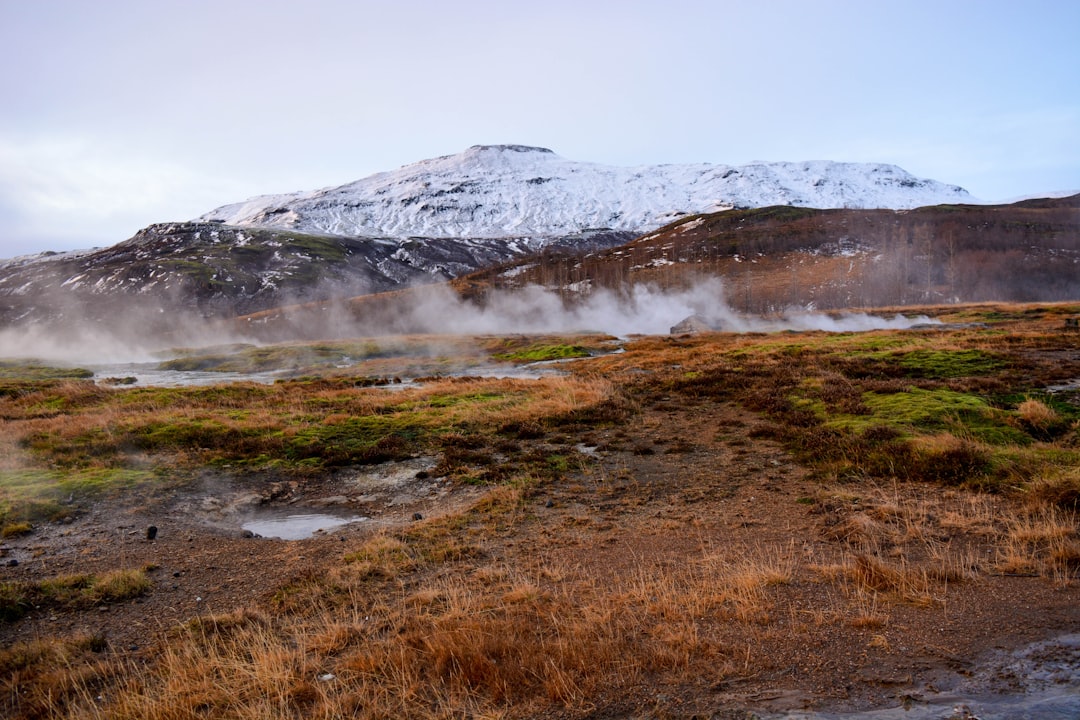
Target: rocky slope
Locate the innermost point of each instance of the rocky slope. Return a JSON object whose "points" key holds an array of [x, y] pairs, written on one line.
{"points": [[213, 270], [774, 258]]}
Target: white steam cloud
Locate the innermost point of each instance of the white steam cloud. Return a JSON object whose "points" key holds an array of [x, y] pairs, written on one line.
{"points": [[641, 310], [435, 309]]}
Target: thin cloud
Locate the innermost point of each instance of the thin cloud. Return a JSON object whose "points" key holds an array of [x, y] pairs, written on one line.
{"points": [[71, 186]]}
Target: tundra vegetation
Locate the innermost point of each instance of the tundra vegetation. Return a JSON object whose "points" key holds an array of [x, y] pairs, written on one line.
{"points": [[929, 464]]}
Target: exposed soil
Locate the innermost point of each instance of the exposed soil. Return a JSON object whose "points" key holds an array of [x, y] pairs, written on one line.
{"points": [[201, 558], [681, 479]]}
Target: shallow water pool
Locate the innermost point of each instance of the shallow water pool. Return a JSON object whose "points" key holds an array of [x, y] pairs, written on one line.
{"points": [[298, 526]]}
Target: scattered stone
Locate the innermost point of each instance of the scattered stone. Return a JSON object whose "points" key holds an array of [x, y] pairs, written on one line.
{"points": [[127, 380], [151, 532], [549, 504], [693, 324]]}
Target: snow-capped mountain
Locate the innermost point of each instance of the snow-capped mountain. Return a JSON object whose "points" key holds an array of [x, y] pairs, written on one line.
{"points": [[498, 191], [426, 222]]}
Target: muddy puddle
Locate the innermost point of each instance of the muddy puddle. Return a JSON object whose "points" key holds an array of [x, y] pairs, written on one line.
{"points": [[286, 525], [289, 510], [1037, 682]]}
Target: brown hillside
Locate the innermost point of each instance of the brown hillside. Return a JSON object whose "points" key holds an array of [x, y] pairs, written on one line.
{"points": [[781, 256], [771, 259]]}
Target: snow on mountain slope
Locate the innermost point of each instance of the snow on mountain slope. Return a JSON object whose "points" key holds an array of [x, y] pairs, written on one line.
{"points": [[493, 191]]}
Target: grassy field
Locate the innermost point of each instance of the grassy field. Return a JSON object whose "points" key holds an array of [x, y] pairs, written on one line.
{"points": [[927, 462]]}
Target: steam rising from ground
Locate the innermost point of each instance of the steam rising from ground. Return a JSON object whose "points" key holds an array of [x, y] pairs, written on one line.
{"points": [[130, 339], [434, 309], [643, 309]]}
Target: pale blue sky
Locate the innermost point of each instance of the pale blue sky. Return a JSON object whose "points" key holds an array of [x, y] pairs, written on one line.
{"points": [[115, 114]]}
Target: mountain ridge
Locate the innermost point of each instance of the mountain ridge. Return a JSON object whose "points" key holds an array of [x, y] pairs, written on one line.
{"points": [[491, 191], [761, 262], [218, 267]]}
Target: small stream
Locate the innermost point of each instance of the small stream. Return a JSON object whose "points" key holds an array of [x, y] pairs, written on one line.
{"points": [[151, 374]]}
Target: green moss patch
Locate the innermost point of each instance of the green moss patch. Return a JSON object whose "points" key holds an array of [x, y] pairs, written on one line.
{"points": [[49, 495], [34, 370], [923, 409], [917, 411], [540, 353], [368, 439], [942, 364]]}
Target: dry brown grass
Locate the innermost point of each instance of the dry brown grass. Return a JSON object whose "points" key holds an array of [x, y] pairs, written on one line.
{"points": [[973, 514], [729, 585], [912, 585], [869, 611], [909, 546], [43, 678], [1057, 488], [438, 645], [1046, 542], [436, 622], [1036, 413]]}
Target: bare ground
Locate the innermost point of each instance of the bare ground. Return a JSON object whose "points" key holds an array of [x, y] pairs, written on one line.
{"points": [[680, 481]]}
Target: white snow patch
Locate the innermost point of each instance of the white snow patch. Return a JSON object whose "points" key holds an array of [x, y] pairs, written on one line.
{"points": [[501, 191]]}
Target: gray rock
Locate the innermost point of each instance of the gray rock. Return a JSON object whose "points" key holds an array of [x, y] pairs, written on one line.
{"points": [[692, 324]]}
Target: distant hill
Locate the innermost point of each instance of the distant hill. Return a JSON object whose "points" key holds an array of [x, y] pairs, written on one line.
{"points": [[212, 270], [777, 257], [767, 260]]}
